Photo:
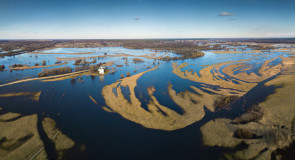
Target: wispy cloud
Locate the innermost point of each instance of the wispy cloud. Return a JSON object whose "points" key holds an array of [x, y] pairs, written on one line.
{"points": [[136, 19], [225, 14]]}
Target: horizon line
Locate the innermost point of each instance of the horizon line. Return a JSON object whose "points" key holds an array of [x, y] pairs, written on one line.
{"points": [[145, 38]]}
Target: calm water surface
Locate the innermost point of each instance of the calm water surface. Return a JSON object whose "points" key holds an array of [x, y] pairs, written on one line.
{"points": [[108, 135]]}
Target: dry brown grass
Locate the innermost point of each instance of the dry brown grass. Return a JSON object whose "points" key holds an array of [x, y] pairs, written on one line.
{"points": [[92, 99], [61, 141], [110, 63], [63, 144], [49, 78], [272, 128], [213, 78], [266, 71], [149, 56], [157, 116], [244, 133], [34, 95], [225, 101], [20, 138], [253, 114], [137, 60], [107, 109], [16, 94]]}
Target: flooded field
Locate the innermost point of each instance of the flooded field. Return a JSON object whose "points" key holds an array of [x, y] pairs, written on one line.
{"points": [[222, 103]]}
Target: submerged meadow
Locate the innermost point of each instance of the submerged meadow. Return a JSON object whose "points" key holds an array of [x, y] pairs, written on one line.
{"points": [[235, 101]]}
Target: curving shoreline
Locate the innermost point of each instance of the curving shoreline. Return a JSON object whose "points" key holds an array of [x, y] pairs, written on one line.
{"points": [[158, 116]]}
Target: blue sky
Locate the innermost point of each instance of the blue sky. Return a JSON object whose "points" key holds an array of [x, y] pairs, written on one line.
{"points": [[111, 19]]}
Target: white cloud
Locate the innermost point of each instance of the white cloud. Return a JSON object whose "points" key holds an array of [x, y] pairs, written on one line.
{"points": [[225, 14]]}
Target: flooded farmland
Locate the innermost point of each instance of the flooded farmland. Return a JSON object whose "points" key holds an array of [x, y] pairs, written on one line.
{"points": [[143, 107]]}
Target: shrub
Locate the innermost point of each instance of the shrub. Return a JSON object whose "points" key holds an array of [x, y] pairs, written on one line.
{"points": [[93, 61], [36, 64], [244, 133], [125, 58], [54, 71], [122, 76], [84, 62], [137, 60], [17, 65], [128, 74], [113, 70], [225, 101], [2, 67], [93, 68], [73, 80], [80, 79], [81, 68], [77, 62], [253, 114], [44, 63], [275, 136], [42, 74], [57, 62]]}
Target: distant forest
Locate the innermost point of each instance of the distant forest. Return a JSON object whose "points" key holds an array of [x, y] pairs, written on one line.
{"points": [[187, 48]]}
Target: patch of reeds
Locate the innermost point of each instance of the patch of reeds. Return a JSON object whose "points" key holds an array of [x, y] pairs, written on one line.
{"points": [[225, 101], [244, 133], [253, 114], [275, 136]]}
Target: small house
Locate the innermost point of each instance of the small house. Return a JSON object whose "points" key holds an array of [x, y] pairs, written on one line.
{"points": [[101, 70]]}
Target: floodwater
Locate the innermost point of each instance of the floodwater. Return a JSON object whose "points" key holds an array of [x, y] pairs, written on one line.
{"points": [[108, 135]]}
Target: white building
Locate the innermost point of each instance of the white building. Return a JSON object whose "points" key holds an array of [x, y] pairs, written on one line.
{"points": [[101, 70]]}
